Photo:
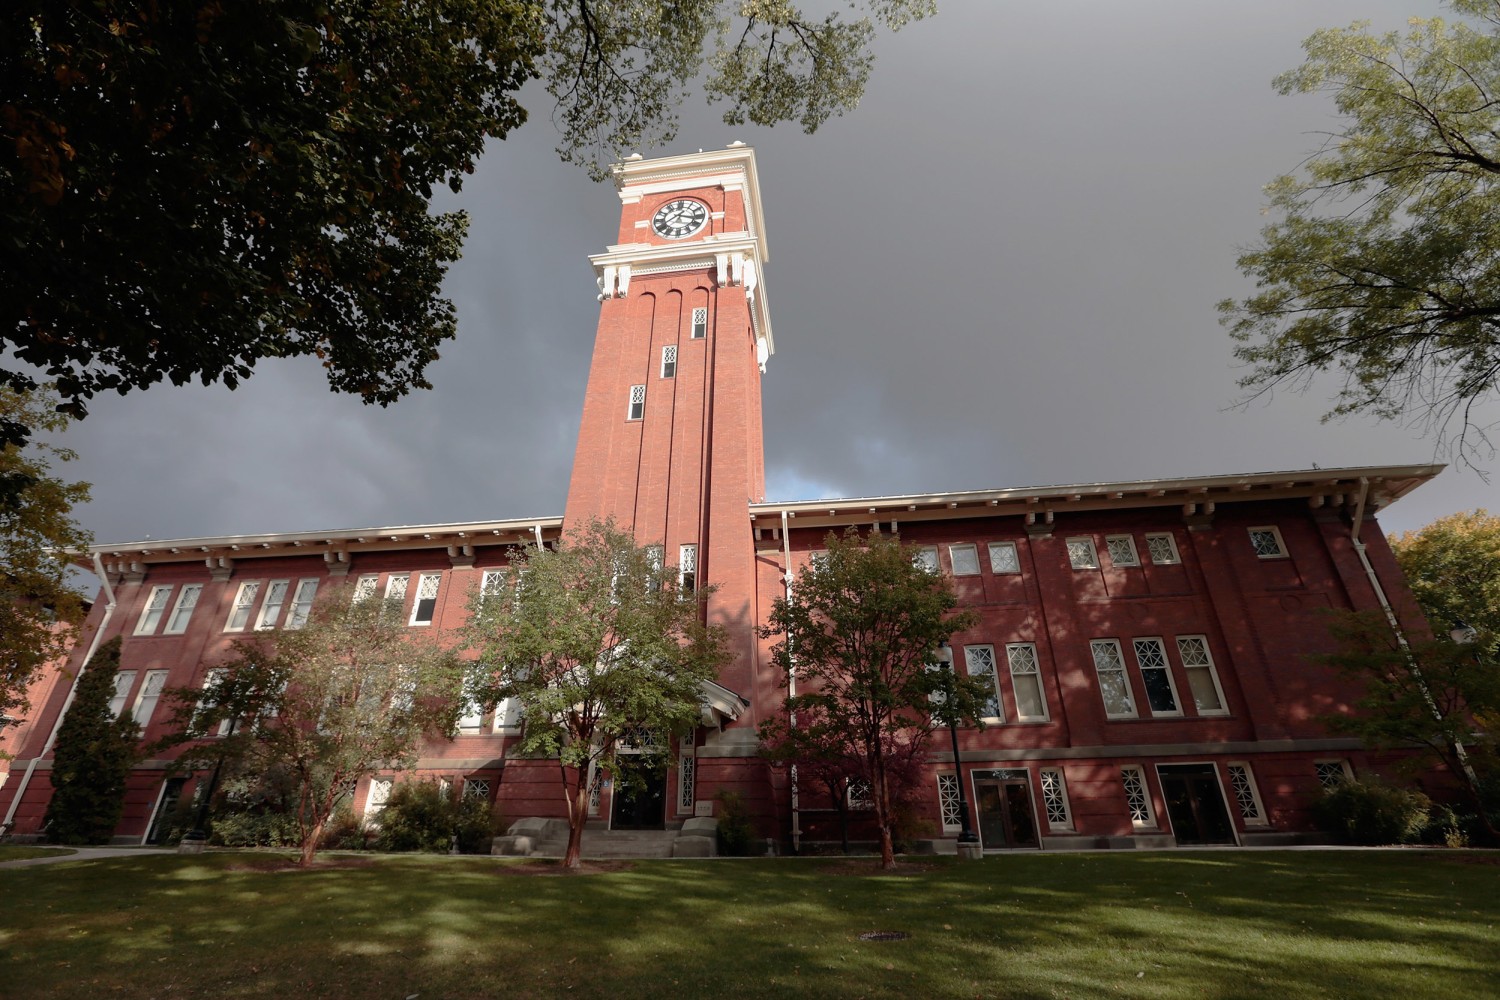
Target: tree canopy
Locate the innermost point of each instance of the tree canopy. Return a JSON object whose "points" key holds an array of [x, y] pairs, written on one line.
{"points": [[1453, 568], [187, 189], [605, 655], [1383, 265]]}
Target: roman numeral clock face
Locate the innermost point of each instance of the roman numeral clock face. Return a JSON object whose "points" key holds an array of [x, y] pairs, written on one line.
{"points": [[679, 218]]}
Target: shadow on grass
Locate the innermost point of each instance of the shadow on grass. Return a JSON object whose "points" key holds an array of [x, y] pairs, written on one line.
{"points": [[1226, 925]]}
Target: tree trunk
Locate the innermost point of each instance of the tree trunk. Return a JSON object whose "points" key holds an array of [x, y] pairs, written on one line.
{"points": [[883, 816], [310, 841], [578, 814]]}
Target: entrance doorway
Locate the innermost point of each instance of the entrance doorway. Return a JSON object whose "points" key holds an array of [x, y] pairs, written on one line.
{"points": [[171, 793], [1003, 801], [639, 802], [1195, 804]]}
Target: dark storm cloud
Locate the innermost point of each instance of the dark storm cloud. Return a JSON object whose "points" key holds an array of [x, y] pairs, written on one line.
{"points": [[1000, 271]]}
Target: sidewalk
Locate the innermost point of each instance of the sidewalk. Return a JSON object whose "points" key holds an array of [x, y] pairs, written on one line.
{"points": [[86, 854]]}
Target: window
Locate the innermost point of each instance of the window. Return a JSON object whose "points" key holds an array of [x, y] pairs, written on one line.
{"points": [[239, 613], [1003, 558], [210, 681], [1055, 799], [857, 794], [395, 587], [425, 605], [491, 585], [364, 587], [637, 408], [145, 702], [700, 324], [183, 611], [379, 795], [275, 599], [1026, 679], [1113, 685], [1246, 795], [947, 787], [965, 560], [926, 558], [1137, 799], [980, 662], [477, 788], [669, 361], [508, 715], [1163, 549], [1121, 550], [1200, 674], [687, 773], [1332, 773], [302, 603], [123, 682], [471, 717], [655, 556], [1266, 542], [1081, 554], [156, 606], [687, 569], [1161, 693]]}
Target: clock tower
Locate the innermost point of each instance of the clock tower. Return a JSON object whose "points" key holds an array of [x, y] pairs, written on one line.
{"points": [[670, 441]]}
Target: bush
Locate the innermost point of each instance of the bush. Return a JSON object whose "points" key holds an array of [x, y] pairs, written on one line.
{"points": [[1371, 813], [736, 835], [344, 832], [254, 829], [423, 816]]}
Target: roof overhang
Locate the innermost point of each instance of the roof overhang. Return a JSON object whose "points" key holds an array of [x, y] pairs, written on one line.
{"points": [[719, 704]]}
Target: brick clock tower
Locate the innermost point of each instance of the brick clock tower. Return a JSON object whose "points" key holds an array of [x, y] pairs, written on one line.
{"points": [[670, 440]]}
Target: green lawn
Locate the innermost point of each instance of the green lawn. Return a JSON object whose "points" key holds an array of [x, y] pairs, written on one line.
{"points": [[22, 853], [1401, 924]]}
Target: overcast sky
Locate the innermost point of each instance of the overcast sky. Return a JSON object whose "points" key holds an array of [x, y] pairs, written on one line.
{"points": [[1000, 271]]}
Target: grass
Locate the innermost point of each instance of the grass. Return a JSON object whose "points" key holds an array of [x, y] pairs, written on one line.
{"points": [[22, 853], [1407, 924]]}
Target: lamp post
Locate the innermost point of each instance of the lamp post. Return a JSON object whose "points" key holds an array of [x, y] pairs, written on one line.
{"points": [[969, 848], [1463, 633]]}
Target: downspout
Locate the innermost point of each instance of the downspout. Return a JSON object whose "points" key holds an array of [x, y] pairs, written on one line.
{"points": [[109, 610], [1459, 750], [536, 529], [791, 677]]}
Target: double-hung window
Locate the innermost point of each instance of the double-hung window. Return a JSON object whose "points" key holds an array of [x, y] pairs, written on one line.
{"points": [[1156, 675], [425, 606], [395, 587], [1026, 681], [1202, 679], [687, 569], [124, 679], [156, 606], [302, 602], [239, 612], [980, 662], [669, 361], [270, 612], [1113, 685], [700, 323], [150, 694], [364, 587], [637, 408], [182, 612]]}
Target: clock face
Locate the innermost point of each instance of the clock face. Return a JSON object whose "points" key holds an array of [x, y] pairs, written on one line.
{"points": [[679, 218]]}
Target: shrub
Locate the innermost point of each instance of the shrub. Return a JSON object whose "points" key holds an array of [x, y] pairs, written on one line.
{"points": [[423, 816], [93, 757], [736, 835], [254, 829], [344, 832], [1372, 813]]}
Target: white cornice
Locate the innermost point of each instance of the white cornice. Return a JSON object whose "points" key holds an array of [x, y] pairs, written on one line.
{"points": [[732, 167]]}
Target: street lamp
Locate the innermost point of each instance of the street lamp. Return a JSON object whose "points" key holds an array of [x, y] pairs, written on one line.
{"points": [[1463, 633], [968, 843]]}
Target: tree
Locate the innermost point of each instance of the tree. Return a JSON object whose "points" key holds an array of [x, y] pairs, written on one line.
{"points": [[37, 607], [605, 654], [858, 635], [93, 756], [1384, 265], [1453, 568], [186, 189], [348, 695]]}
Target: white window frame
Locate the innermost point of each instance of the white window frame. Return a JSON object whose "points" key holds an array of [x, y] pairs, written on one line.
{"points": [[635, 406], [471, 717], [155, 607], [1036, 677], [1076, 556], [949, 802], [978, 651], [687, 782], [507, 716], [124, 681], [687, 568], [416, 604], [211, 678], [302, 602], [182, 611], [244, 603], [492, 584], [964, 548], [1252, 793], [1094, 648], [365, 587], [1174, 557], [1015, 558], [1208, 666], [669, 361], [1343, 765], [1149, 822], [926, 557], [1065, 823], [147, 697], [699, 323], [277, 591], [858, 794], [1275, 533], [376, 798], [1127, 542], [1166, 667]]}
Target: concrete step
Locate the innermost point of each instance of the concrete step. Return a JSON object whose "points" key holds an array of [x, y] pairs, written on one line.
{"points": [[628, 843]]}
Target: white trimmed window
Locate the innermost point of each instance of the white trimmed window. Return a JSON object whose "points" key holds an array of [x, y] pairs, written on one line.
{"points": [[1055, 799], [471, 717], [687, 774], [1162, 548], [1332, 773], [270, 612], [364, 587], [1113, 685], [980, 663], [1202, 679], [378, 795], [156, 606], [1266, 541], [1121, 550], [395, 586], [150, 694], [965, 559], [1026, 680], [1003, 558], [239, 612], [700, 323], [926, 558], [687, 569], [637, 408], [1156, 674], [124, 679], [1246, 795], [508, 715], [948, 808], [857, 794], [491, 585], [182, 612], [1081, 554], [210, 679], [425, 606], [302, 602], [1137, 798], [669, 361]]}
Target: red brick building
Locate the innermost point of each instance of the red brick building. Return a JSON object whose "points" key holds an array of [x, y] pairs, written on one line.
{"points": [[1147, 641]]}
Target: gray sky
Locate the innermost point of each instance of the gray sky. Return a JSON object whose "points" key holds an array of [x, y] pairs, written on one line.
{"points": [[1000, 271]]}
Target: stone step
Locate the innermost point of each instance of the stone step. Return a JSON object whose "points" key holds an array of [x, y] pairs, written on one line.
{"points": [[614, 844]]}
